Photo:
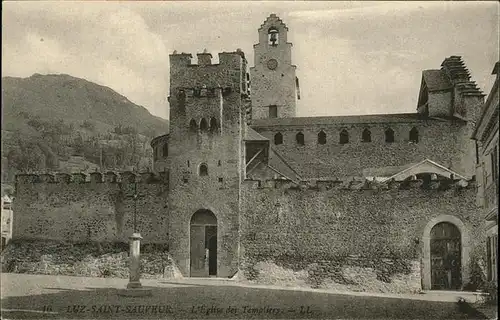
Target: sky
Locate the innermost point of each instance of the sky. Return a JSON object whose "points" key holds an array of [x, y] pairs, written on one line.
{"points": [[351, 57]]}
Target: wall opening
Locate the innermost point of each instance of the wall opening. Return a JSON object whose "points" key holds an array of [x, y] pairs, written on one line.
{"points": [[203, 170], [273, 112], [213, 125], [273, 36], [344, 137], [192, 126], [165, 150], [321, 137], [389, 135], [203, 125], [445, 257], [300, 139], [414, 135], [278, 138], [203, 244], [366, 136]]}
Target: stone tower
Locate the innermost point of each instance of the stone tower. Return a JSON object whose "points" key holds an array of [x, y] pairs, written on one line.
{"points": [[274, 84], [204, 151]]}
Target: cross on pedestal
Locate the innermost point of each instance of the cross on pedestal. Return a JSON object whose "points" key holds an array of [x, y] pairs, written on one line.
{"points": [[136, 197]]}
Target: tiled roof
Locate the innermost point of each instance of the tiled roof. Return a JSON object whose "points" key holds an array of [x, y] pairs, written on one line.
{"points": [[252, 135], [361, 119], [436, 80]]}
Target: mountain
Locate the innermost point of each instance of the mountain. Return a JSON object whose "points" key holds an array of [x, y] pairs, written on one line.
{"points": [[62, 123], [74, 100]]}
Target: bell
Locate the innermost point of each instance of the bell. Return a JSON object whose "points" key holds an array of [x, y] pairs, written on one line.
{"points": [[273, 38]]}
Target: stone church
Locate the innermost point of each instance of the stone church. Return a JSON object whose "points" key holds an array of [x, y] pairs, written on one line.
{"points": [[241, 181]]}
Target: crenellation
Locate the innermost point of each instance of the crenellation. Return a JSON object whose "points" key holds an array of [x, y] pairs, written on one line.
{"points": [[47, 178], [95, 177], [79, 177], [110, 177]]}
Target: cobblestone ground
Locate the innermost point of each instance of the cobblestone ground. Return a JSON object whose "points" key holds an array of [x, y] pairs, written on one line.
{"points": [[64, 297]]}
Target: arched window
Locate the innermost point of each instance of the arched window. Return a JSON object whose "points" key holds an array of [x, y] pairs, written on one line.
{"points": [[414, 135], [366, 136], [203, 125], [300, 138], [165, 150], [273, 36], [213, 125], [344, 137], [278, 138], [203, 170], [192, 126], [321, 137], [389, 135]]}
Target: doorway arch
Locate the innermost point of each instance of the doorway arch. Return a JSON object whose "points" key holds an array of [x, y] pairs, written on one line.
{"points": [[203, 244], [445, 254]]}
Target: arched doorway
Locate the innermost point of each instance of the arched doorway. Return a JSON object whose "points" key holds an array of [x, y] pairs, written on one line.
{"points": [[446, 247], [203, 247]]}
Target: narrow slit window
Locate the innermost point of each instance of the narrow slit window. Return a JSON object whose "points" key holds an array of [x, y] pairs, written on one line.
{"points": [[203, 170], [366, 136], [300, 139], [213, 125], [414, 135], [389, 135], [321, 137], [278, 138], [273, 112], [203, 125], [192, 126], [344, 137], [165, 150]]}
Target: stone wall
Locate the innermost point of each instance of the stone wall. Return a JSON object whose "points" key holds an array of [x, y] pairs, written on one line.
{"points": [[331, 229], [75, 208], [313, 160]]}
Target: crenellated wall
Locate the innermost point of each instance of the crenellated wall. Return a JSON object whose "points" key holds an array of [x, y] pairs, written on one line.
{"points": [[97, 207], [298, 225]]}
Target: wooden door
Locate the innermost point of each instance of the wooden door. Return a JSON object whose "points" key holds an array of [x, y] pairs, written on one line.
{"points": [[445, 257], [197, 252]]}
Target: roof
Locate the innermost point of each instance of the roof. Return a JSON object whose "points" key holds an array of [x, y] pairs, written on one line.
{"points": [[425, 166], [252, 135], [339, 120], [385, 171], [436, 80], [159, 138]]}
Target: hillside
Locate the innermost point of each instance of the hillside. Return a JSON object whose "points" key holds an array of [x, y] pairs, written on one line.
{"points": [[63, 123]]}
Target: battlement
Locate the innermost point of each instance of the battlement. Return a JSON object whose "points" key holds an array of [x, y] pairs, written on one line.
{"points": [[356, 184], [94, 177], [226, 59]]}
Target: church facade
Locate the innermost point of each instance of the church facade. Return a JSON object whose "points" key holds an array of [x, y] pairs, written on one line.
{"points": [[243, 183]]}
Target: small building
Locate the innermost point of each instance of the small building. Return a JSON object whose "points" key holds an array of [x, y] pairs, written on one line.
{"points": [[6, 220], [486, 135]]}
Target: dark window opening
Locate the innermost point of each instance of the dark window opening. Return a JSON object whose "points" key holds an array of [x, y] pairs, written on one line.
{"points": [[213, 125], [185, 180], [219, 163], [273, 36], [414, 135], [389, 135], [203, 170], [321, 137], [188, 163], [155, 154], [344, 137], [278, 138], [300, 138], [165, 150], [192, 126], [273, 112], [221, 180], [203, 125], [366, 136]]}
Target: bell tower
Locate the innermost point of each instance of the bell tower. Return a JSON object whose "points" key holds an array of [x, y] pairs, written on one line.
{"points": [[274, 86]]}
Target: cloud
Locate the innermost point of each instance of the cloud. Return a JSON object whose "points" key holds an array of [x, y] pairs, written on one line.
{"points": [[352, 57]]}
